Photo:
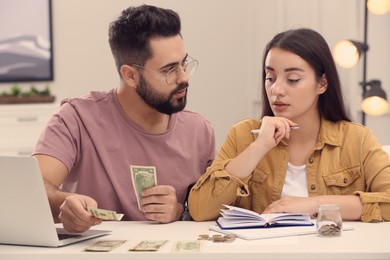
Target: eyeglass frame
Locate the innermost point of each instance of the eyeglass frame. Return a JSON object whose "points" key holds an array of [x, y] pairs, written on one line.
{"points": [[174, 69]]}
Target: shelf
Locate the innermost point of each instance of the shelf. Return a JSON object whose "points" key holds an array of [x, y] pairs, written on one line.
{"points": [[27, 100]]}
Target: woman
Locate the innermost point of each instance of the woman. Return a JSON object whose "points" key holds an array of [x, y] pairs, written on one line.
{"points": [[306, 152]]}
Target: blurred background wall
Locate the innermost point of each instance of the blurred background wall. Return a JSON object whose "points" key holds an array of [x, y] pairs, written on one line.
{"points": [[228, 38]]}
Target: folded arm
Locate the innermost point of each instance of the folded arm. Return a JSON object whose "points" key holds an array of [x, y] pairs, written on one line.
{"points": [[217, 186], [350, 205]]}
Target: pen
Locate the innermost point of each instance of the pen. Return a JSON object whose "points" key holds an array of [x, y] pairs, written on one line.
{"points": [[256, 131]]}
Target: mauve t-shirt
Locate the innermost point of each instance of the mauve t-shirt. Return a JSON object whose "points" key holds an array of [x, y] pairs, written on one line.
{"points": [[98, 143]]}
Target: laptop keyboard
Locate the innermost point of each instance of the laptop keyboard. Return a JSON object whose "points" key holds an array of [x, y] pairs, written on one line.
{"points": [[66, 236]]}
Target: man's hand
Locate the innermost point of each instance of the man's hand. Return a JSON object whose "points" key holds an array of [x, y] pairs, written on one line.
{"points": [[160, 203], [74, 215]]}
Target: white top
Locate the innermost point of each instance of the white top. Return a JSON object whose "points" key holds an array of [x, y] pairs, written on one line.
{"points": [[296, 182]]}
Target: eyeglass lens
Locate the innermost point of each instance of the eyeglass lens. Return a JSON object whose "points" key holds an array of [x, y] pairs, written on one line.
{"points": [[188, 68]]}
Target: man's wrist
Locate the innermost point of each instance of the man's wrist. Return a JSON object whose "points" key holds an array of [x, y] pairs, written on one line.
{"points": [[186, 214], [180, 211]]}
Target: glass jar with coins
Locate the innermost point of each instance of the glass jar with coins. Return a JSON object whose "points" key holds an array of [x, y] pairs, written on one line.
{"points": [[329, 221]]}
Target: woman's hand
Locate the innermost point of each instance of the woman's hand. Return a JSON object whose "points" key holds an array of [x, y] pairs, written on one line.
{"points": [[273, 130], [307, 205]]}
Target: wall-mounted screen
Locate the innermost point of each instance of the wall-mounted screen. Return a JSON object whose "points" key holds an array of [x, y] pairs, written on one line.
{"points": [[26, 49]]}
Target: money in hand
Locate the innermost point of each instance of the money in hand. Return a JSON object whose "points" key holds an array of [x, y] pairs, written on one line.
{"points": [[143, 177], [149, 245], [105, 214], [105, 245]]}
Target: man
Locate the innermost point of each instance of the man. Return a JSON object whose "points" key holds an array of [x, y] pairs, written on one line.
{"points": [[87, 148]]}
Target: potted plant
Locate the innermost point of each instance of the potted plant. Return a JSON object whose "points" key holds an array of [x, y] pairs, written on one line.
{"points": [[17, 96]]}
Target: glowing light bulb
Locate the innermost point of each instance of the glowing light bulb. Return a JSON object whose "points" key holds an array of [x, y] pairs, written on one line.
{"points": [[378, 7], [375, 106], [345, 54]]}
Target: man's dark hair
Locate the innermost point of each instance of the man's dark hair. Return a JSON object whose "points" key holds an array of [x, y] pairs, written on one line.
{"points": [[131, 32]]}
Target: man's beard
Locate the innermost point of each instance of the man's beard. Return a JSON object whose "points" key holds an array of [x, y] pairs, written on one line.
{"points": [[166, 105]]}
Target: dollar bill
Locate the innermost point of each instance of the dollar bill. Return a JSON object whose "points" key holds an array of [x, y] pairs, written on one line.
{"points": [[149, 245], [143, 177], [105, 214], [104, 245], [187, 246]]}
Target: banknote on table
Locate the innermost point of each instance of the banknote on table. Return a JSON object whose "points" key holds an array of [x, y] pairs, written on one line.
{"points": [[104, 245], [105, 214], [143, 177], [190, 246], [149, 245]]}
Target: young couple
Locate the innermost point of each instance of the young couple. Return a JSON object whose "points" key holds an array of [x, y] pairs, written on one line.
{"points": [[306, 151]]}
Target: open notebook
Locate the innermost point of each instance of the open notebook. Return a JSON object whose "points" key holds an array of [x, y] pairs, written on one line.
{"points": [[235, 217], [26, 217]]}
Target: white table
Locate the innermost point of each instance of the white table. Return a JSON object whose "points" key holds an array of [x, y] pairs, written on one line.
{"points": [[366, 241]]}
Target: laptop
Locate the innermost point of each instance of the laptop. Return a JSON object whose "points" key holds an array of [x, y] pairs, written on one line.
{"points": [[25, 217]]}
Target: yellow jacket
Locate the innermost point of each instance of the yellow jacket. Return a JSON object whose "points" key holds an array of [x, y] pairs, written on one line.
{"points": [[347, 159]]}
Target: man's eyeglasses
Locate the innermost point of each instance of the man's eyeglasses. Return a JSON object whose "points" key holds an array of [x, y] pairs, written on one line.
{"points": [[172, 74]]}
